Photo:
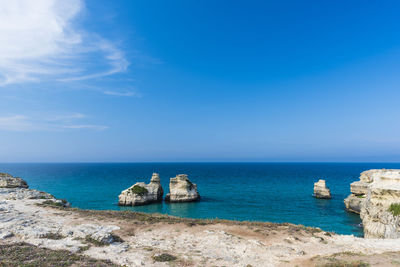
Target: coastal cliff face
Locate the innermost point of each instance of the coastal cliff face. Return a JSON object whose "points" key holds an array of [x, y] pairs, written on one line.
{"points": [[181, 189], [376, 197], [356, 199], [321, 191], [142, 194]]}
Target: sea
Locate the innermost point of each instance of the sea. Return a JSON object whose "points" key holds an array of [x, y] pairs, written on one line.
{"points": [[266, 192]]}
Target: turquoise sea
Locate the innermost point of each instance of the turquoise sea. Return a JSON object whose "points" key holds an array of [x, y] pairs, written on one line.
{"points": [[273, 192]]}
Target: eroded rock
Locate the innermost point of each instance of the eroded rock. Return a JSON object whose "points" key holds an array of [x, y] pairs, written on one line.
{"points": [[8, 181], [142, 194], [372, 197], [321, 191], [181, 189]]}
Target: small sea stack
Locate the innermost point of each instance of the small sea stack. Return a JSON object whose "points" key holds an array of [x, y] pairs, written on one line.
{"points": [[181, 189], [321, 191], [142, 194]]}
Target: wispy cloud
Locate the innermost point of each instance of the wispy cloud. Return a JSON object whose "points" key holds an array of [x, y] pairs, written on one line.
{"points": [[42, 40], [86, 126], [23, 123], [124, 93]]}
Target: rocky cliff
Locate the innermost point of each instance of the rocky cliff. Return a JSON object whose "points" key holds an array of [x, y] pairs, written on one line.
{"points": [[376, 197], [142, 194]]}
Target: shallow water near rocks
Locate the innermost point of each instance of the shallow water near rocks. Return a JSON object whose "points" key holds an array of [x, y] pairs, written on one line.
{"points": [[273, 192]]}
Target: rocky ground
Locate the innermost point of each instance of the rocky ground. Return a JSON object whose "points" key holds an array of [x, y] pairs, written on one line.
{"points": [[37, 229]]}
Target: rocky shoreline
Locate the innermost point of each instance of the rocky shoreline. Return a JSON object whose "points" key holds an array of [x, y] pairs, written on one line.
{"points": [[376, 197], [32, 218]]}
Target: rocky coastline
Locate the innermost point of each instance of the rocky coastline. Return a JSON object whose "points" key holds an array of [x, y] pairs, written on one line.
{"points": [[46, 227], [376, 197]]}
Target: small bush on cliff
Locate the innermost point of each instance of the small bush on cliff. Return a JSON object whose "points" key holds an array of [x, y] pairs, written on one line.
{"points": [[164, 257], [139, 190], [395, 209]]}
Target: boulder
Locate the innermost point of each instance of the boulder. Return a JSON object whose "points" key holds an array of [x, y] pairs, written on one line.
{"points": [[142, 194], [8, 181], [321, 191], [376, 197], [181, 189]]}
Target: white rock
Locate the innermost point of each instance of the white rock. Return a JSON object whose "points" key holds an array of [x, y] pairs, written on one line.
{"points": [[181, 189], [321, 191], [8, 181], [142, 194], [372, 197]]}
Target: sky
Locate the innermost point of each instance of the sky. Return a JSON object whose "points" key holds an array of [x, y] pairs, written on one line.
{"points": [[189, 80]]}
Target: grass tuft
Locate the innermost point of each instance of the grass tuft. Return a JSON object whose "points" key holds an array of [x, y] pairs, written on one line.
{"points": [[164, 257], [54, 236], [395, 209]]}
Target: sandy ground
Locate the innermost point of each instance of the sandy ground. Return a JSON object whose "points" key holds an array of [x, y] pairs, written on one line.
{"points": [[132, 239]]}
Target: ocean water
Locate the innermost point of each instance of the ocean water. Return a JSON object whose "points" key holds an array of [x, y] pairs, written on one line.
{"points": [[272, 192]]}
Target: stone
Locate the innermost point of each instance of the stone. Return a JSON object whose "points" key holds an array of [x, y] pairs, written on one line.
{"points": [[358, 190], [142, 194], [8, 181], [321, 191], [372, 198], [181, 189], [354, 203]]}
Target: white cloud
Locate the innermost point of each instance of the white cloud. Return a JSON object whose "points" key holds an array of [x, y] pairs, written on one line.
{"points": [[15, 123], [40, 39], [126, 93], [86, 126], [23, 123]]}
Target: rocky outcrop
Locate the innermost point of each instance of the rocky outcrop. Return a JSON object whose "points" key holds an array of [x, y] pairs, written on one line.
{"points": [[321, 191], [376, 197], [181, 189], [142, 194], [357, 198], [15, 188], [8, 181]]}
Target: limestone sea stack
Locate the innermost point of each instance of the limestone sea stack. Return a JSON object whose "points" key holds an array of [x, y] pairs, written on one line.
{"points": [[181, 189], [378, 192], [321, 191], [142, 194]]}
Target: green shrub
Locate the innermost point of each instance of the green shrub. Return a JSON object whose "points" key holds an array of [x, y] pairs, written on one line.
{"points": [[395, 209], [139, 190], [54, 236], [164, 257]]}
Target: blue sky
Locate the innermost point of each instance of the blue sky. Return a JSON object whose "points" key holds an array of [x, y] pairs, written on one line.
{"points": [[127, 81]]}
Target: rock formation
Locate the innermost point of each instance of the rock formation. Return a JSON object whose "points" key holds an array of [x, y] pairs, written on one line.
{"points": [[181, 189], [357, 198], [377, 198], [8, 181], [142, 194], [321, 191], [15, 188]]}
